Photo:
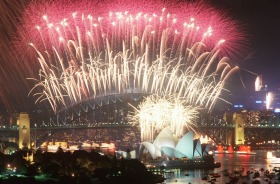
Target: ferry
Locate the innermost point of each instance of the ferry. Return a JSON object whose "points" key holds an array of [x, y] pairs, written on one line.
{"points": [[273, 159], [52, 148], [73, 147], [246, 153]]}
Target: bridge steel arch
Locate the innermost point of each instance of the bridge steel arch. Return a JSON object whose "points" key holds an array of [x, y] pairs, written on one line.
{"points": [[85, 111]]}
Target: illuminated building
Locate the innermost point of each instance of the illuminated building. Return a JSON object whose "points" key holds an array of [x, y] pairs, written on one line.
{"points": [[167, 145]]}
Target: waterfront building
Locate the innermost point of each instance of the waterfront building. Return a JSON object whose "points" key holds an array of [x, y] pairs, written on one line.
{"points": [[167, 145]]}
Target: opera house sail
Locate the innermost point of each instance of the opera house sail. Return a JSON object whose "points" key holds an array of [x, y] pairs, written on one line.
{"points": [[168, 151]]}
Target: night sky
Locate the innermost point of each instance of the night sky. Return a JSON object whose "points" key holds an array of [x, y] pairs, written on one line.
{"points": [[261, 20]]}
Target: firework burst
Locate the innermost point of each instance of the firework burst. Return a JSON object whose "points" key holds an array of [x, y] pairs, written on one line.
{"points": [[87, 50], [156, 113]]}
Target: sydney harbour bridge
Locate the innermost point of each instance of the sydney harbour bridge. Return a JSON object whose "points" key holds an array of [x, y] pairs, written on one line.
{"points": [[110, 57], [111, 112]]}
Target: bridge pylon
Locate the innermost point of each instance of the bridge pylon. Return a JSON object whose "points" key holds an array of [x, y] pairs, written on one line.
{"points": [[229, 137], [23, 122], [239, 121]]}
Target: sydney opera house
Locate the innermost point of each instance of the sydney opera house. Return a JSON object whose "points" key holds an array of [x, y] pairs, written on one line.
{"points": [[166, 145]]}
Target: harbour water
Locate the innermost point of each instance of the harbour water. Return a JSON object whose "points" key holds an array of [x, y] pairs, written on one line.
{"points": [[231, 163]]}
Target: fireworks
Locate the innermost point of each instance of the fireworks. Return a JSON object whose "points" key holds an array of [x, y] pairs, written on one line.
{"points": [[258, 83], [87, 50], [269, 99], [156, 113]]}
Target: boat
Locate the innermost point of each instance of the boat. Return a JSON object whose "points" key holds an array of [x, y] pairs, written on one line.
{"points": [[86, 145], [246, 153], [273, 159], [52, 148], [73, 147], [236, 152], [107, 146], [219, 152]]}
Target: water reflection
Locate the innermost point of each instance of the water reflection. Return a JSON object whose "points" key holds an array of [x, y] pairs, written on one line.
{"points": [[230, 163]]}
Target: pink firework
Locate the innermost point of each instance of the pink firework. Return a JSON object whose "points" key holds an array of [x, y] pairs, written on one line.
{"points": [[91, 49], [46, 25]]}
